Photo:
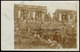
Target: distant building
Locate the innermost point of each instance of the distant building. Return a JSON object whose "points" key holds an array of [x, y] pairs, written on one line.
{"points": [[29, 12], [68, 16]]}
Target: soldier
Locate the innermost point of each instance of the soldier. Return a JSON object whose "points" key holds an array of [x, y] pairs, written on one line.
{"points": [[57, 37]]}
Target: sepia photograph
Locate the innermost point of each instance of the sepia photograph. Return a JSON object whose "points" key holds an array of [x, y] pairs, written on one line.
{"points": [[40, 24]]}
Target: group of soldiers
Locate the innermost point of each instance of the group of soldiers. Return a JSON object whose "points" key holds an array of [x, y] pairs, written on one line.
{"points": [[64, 34], [47, 32]]}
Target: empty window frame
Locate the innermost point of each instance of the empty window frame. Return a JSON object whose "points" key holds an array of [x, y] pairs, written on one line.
{"points": [[69, 16], [33, 15], [60, 17], [19, 14]]}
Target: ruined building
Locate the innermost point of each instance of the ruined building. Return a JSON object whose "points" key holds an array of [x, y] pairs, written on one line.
{"points": [[68, 16], [29, 12]]}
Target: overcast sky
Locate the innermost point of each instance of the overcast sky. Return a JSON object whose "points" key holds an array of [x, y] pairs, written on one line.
{"points": [[51, 5]]}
